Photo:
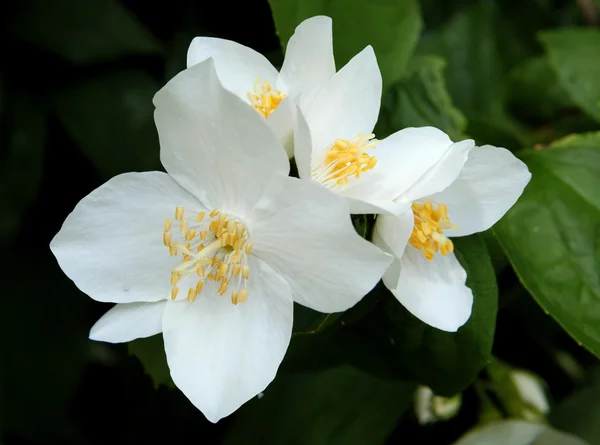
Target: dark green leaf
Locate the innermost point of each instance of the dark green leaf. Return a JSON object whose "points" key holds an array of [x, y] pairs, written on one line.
{"points": [[421, 99], [111, 119], [20, 163], [448, 362], [392, 27], [574, 54], [551, 236], [391, 342], [578, 413], [338, 406], [536, 91], [151, 352], [475, 74], [82, 32]]}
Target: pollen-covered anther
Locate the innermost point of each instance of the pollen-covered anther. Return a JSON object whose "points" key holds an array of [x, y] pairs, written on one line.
{"points": [[264, 98], [430, 221], [214, 249], [346, 159]]}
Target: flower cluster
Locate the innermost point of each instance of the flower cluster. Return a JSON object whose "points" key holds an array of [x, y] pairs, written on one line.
{"points": [[214, 252]]}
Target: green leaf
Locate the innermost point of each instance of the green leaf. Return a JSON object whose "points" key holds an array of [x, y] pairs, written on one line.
{"points": [[151, 352], [536, 91], [393, 343], [392, 27], [475, 74], [551, 235], [82, 32], [448, 362], [111, 119], [337, 406], [20, 163], [421, 99], [573, 54], [578, 413]]}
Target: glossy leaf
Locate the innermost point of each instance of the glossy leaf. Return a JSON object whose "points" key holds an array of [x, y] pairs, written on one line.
{"points": [[421, 99], [573, 53], [392, 27], [338, 406], [551, 234]]}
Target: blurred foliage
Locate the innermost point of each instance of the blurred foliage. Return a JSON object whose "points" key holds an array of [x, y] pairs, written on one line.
{"points": [[76, 87]]}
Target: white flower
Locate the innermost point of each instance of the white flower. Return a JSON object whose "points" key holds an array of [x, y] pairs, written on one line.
{"points": [[531, 391], [429, 408], [214, 253], [517, 432], [334, 144], [308, 65], [450, 189]]}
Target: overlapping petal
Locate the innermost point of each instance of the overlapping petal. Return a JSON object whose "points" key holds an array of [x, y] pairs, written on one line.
{"points": [[111, 244], [127, 321], [212, 143], [221, 355], [238, 66], [488, 186], [311, 242]]}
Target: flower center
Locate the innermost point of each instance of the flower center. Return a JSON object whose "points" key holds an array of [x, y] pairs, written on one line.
{"points": [[214, 248], [264, 99], [428, 231], [346, 159]]}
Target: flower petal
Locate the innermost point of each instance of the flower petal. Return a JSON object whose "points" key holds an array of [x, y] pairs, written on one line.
{"points": [[442, 174], [212, 143], [111, 244], [302, 146], [238, 66], [309, 62], [311, 242], [282, 125], [434, 291], [391, 233], [348, 104], [403, 157], [489, 184], [221, 355], [128, 321]]}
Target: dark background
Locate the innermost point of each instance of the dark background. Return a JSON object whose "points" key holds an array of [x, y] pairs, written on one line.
{"points": [[76, 85]]}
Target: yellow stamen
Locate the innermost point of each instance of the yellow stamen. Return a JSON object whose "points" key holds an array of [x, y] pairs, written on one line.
{"points": [[346, 159], [428, 230], [264, 99], [216, 249]]}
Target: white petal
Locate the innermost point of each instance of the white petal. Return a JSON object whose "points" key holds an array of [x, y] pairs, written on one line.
{"points": [[311, 242], [434, 291], [128, 321], [282, 124], [442, 174], [221, 355], [111, 244], [309, 63], [369, 205], [212, 143], [391, 233], [404, 157], [517, 432], [489, 184], [348, 104], [237, 65], [302, 145]]}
